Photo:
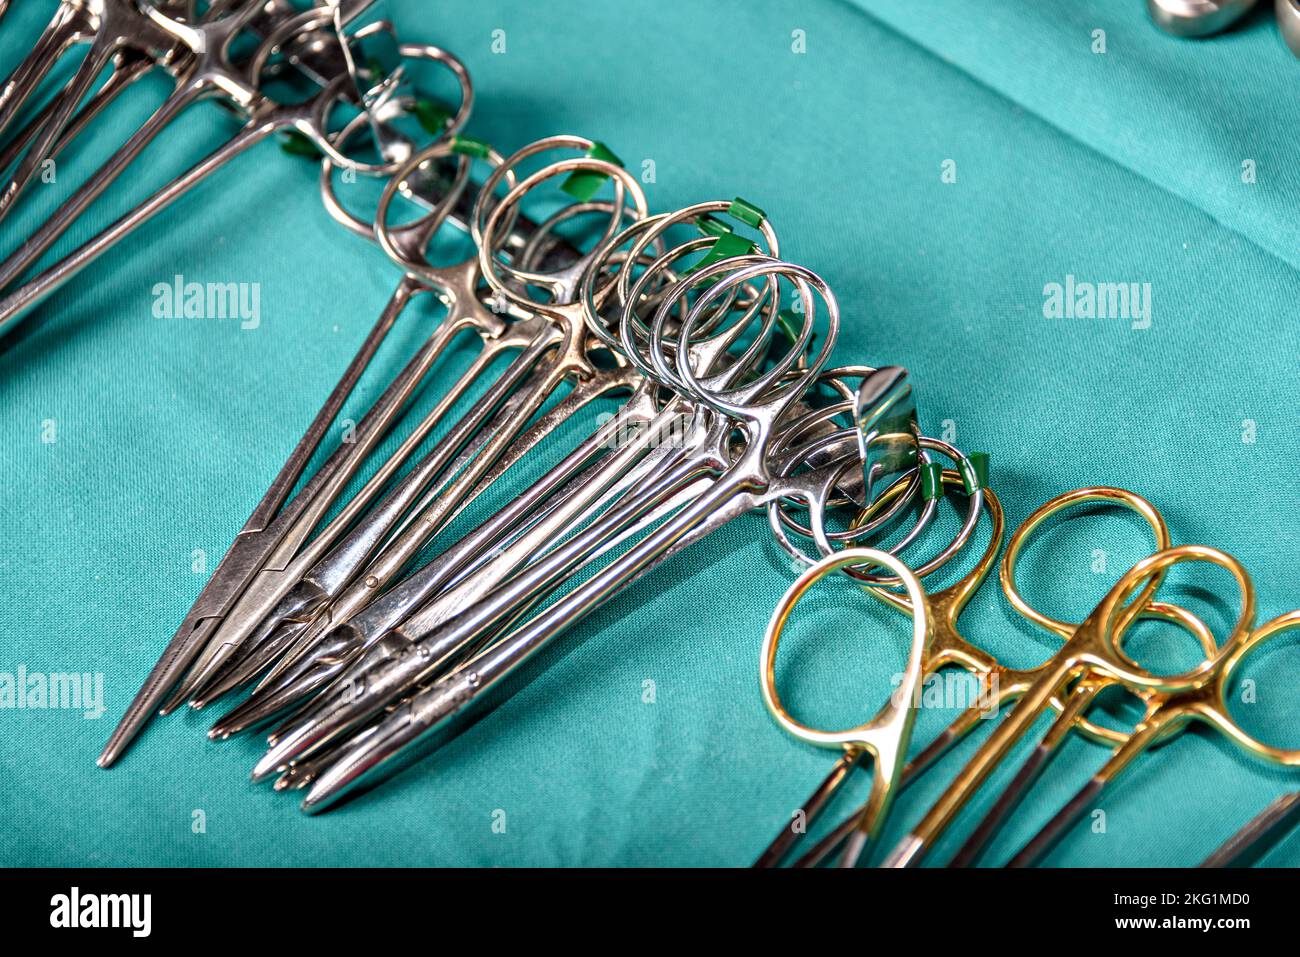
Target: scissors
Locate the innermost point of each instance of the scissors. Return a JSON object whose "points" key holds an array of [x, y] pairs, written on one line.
{"points": [[552, 354], [454, 283], [344, 633], [812, 808], [273, 535], [1071, 713], [887, 735], [338, 710], [996, 683], [745, 484], [721, 501], [1205, 702], [889, 444], [1091, 649], [207, 75]]}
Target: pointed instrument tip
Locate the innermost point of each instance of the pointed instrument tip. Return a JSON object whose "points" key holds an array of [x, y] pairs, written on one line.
{"points": [[272, 762], [344, 774], [177, 698], [120, 740], [321, 797], [248, 714], [188, 641], [295, 778], [224, 729]]}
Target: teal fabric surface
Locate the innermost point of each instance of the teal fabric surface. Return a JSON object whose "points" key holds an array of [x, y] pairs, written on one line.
{"points": [[130, 442]]}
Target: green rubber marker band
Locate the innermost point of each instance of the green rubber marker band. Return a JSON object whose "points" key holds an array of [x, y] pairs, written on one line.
{"points": [[432, 115], [728, 244], [790, 324], [599, 151], [724, 247], [931, 481], [787, 320], [711, 226], [295, 144], [468, 146], [746, 212], [583, 184], [979, 467]]}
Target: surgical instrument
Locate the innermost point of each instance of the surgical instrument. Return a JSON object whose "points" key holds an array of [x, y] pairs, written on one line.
{"points": [[1197, 18], [600, 439], [263, 538], [1288, 21], [1267, 828], [557, 354], [505, 562], [208, 75], [887, 735], [1095, 646], [756, 408], [1205, 702], [996, 682], [1204, 18]]}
